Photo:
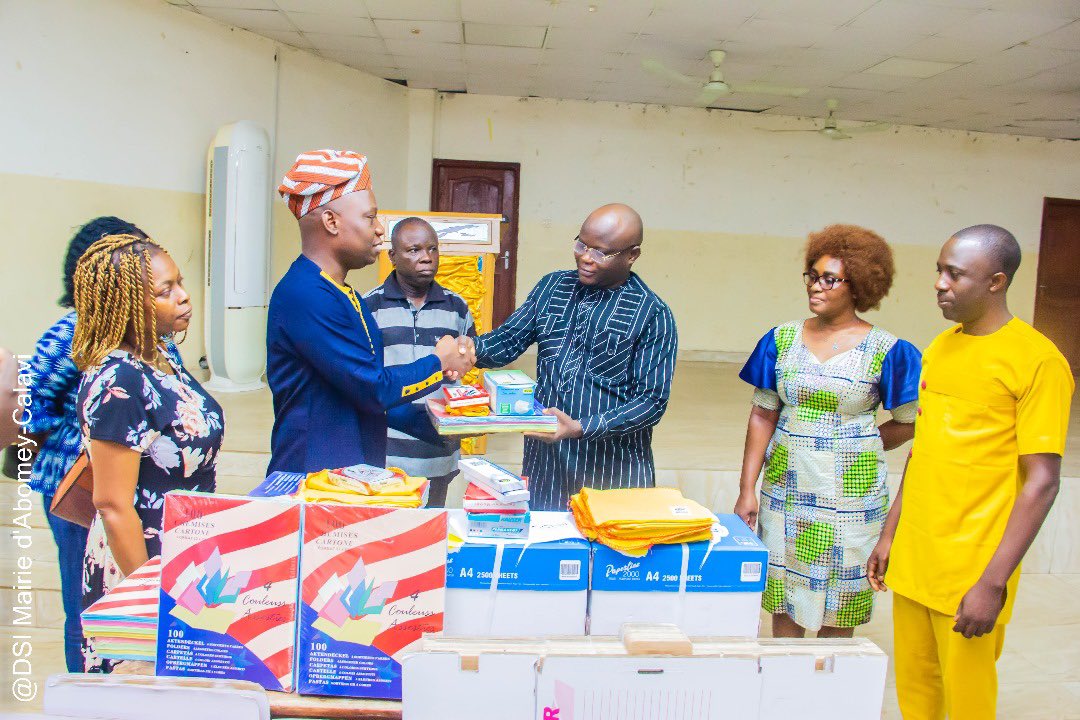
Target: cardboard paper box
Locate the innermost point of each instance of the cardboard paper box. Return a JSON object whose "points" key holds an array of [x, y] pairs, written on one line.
{"points": [[706, 588], [372, 583], [597, 677], [439, 686], [823, 682], [660, 688], [228, 588], [513, 590], [532, 587]]}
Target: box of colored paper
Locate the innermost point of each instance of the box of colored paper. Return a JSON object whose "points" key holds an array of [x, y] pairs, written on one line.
{"points": [[708, 588], [511, 392], [373, 581], [228, 588]]}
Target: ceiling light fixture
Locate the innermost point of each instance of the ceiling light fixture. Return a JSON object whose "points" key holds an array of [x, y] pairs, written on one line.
{"points": [[415, 31], [592, 8]]}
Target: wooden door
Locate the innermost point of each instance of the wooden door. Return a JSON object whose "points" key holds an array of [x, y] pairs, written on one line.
{"points": [[1057, 293], [469, 186]]}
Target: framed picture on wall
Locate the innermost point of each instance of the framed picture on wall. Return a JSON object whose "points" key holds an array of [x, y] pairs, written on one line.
{"points": [[458, 232]]}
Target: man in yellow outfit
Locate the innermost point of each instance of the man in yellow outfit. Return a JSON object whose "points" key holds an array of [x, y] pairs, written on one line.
{"points": [[982, 475]]}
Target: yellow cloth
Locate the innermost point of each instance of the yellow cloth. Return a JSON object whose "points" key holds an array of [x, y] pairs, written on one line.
{"points": [[328, 486], [633, 520], [984, 401], [470, 411], [463, 274], [939, 672]]}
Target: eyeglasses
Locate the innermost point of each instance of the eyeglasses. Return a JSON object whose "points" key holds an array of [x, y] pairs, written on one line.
{"points": [[827, 282], [593, 254]]}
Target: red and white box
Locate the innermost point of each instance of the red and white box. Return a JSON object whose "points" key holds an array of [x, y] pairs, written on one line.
{"points": [[373, 581], [462, 396], [228, 588]]}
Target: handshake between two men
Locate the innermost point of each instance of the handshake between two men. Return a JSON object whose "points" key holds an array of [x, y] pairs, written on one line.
{"points": [[458, 356]]}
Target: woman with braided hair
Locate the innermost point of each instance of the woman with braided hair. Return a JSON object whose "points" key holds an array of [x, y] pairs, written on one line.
{"points": [[53, 422], [148, 424]]}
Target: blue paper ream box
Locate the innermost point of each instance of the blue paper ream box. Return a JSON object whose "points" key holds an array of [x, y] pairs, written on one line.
{"points": [[721, 596], [542, 589]]}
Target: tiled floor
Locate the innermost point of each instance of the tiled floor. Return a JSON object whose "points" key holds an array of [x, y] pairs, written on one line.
{"points": [[698, 447]]}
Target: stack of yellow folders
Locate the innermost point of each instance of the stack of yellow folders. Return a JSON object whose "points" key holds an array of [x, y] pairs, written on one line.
{"points": [[365, 485], [632, 521]]}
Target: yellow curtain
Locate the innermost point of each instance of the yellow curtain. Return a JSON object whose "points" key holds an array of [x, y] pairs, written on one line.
{"points": [[463, 274]]}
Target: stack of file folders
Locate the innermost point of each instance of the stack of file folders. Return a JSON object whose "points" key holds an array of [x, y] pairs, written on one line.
{"points": [[122, 625], [496, 501], [449, 424], [633, 520]]}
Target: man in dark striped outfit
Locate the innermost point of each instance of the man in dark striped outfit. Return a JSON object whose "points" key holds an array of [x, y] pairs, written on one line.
{"points": [[605, 359], [413, 312]]}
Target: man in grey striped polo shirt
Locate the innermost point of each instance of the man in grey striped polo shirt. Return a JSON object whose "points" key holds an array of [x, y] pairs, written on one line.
{"points": [[413, 312]]}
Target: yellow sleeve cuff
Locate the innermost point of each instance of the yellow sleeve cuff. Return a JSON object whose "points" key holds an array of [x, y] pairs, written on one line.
{"points": [[422, 385]]}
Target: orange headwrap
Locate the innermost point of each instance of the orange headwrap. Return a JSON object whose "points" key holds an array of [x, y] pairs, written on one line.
{"points": [[319, 176]]}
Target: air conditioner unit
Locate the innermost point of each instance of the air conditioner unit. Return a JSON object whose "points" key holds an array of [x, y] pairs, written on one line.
{"points": [[237, 256]]}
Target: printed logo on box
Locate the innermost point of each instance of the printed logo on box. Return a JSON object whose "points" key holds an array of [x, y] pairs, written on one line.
{"points": [[630, 571]]}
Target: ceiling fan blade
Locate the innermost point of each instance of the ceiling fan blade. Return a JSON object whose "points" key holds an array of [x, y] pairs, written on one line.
{"points": [[710, 95], [779, 131], [766, 89], [869, 127], [659, 69], [838, 135]]}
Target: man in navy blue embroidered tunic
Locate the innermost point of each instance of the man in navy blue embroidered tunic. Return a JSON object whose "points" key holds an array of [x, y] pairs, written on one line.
{"points": [[333, 397], [605, 359]]}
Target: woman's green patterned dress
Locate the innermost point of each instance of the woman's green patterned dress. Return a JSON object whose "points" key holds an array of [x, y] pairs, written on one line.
{"points": [[824, 493]]}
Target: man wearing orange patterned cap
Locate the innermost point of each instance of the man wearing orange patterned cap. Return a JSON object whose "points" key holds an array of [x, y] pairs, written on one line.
{"points": [[333, 398]]}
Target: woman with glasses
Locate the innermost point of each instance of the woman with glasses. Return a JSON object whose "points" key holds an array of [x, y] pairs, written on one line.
{"points": [[818, 384]]}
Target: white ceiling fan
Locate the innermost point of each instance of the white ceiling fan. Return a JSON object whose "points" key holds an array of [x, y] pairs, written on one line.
{"points": [[831, 128], [716, 87]]}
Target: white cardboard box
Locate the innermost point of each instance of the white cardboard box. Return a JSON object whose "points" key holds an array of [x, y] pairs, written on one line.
{"points": [[492, 687], [648, 688], [708, 589], [595, 677], [814, 682]]}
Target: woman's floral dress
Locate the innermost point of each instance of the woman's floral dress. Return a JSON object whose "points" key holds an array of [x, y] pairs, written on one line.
{"points": [[178, 428]]}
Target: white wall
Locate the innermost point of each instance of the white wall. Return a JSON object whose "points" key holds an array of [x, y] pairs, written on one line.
{"points": [[108, 109], [727, 206]]}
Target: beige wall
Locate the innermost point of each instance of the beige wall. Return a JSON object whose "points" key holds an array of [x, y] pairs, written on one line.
{"points": [[727, 206], [115, 119], [111, 112]]}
